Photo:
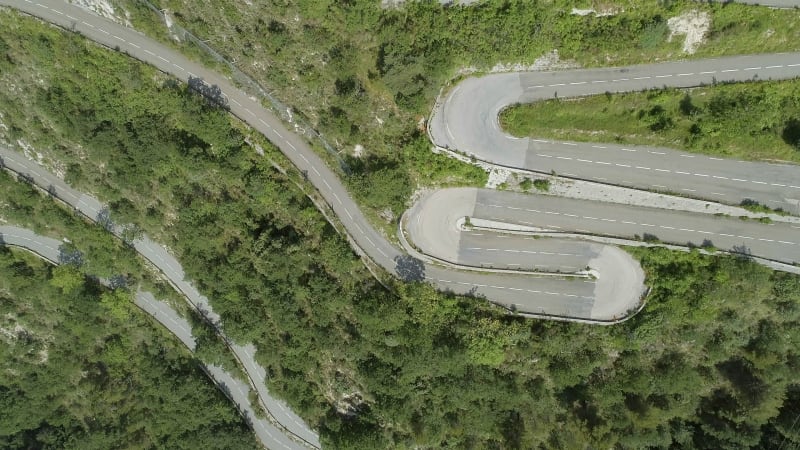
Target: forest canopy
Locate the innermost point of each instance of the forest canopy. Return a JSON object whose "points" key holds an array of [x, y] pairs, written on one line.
{"points": [[709, 363], [76, 375]]}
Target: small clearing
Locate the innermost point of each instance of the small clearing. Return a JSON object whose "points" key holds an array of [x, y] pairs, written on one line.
{"points": [[694, 24], [598, 13], [497, 175]]}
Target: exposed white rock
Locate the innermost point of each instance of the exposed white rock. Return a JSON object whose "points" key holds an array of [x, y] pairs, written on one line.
{"points": [[104, 9], [497, 176], [694, 24], [598, 13]]}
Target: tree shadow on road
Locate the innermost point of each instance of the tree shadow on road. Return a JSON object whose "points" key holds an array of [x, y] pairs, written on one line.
{"points": [[742, 251], [25, 178], [211, 92], [103, 218], [707, 244], [69, 254], [409, 268]]}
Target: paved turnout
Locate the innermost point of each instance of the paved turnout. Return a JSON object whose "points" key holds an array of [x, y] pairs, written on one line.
{"points": [[597, 271]]}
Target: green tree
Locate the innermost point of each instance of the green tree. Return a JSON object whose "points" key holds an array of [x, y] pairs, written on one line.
{"points": [[117, 302], [67, 278]]}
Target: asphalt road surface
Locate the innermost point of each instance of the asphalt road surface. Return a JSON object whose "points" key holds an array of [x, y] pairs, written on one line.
{"points": [[467, 121], [45, 247], [167, 316], [550, 216], [778, 241], [545, 214], [617, 276]]}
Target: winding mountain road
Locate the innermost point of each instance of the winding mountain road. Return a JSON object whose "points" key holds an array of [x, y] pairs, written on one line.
{"points": [[91, 208], [504, 288], [444, 252], [467, 121]]}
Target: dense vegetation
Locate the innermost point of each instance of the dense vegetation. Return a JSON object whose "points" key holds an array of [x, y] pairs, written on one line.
{"points": [[363, 75], [709, 363], [755, 120], [100, 255], [76, 375], [103, 255]]}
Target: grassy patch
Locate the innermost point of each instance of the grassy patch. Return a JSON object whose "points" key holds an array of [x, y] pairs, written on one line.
{"points": [[754, 206], [752, 121], [542, 184]]}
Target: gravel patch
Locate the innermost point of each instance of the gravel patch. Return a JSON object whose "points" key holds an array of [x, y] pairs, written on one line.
{"points": [[548, 61], [497, 176]]}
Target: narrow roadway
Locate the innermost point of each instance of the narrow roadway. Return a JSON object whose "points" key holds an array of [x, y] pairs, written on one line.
{"points": [[551, 216], [172, 270]]}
